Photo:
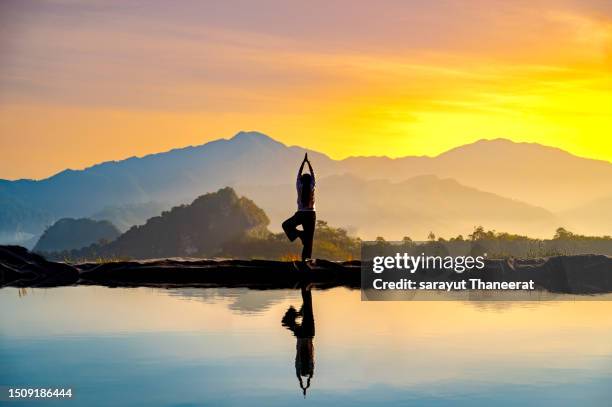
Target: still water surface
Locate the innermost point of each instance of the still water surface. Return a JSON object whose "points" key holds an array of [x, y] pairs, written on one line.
{"points": [[143, 346]]}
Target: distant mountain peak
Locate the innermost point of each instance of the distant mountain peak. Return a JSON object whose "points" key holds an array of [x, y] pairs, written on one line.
{"points": [[499, 145], [254, 136]]}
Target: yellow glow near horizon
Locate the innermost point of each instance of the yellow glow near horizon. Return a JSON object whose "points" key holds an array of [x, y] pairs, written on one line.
{"points": [[542, 75]]}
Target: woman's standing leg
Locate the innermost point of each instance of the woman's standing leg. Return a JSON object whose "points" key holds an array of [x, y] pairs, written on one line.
{"points": [[308, 223]]}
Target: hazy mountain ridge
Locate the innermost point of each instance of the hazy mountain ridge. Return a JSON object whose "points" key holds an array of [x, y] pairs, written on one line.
{"points": [[531, 173], [539, 175], [126, 216], [414, 207], [594, 216], [20, 222], [68, 234]]}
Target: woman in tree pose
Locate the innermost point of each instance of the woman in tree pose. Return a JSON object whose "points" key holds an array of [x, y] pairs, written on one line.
{"points": [[305, 215]]}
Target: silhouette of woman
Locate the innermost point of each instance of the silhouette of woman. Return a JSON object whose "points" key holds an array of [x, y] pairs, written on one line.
{"points": [[304, 333], [305, 215]]}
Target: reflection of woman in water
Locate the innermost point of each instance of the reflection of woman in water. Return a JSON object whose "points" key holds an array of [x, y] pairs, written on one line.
{"points": [[305, 215], [304, 333]]}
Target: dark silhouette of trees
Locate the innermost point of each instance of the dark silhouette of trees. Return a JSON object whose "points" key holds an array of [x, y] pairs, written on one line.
{"points": [[68, 234]]}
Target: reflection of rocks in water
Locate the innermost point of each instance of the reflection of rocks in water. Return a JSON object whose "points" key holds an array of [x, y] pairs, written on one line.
{"points": [[510, 295], [503, 306], [243, 300], [507, 301]]}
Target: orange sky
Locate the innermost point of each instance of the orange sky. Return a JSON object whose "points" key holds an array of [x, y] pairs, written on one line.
{"points": [[84, 82]]}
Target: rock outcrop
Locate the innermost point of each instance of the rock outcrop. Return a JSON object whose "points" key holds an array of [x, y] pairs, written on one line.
{"points": [[20, 267], [584, 274]]}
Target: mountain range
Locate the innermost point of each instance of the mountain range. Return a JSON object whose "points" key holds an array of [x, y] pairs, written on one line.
{"points": [[517, 187]]}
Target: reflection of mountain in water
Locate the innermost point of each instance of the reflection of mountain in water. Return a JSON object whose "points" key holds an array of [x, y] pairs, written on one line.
{"points": [[242, 300]]}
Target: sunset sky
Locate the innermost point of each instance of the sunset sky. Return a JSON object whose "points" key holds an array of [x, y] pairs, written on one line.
{"points": [[88, 81]]}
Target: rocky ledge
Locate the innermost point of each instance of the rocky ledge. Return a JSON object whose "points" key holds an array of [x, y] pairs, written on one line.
{"points": [[21, 268], [583, 274]]}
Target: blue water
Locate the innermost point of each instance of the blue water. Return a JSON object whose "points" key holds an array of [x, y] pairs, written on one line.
{"points": [[223, 347]]}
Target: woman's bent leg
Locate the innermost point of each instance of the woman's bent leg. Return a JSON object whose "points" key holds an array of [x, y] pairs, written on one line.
{"points": [[290, 227]]}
